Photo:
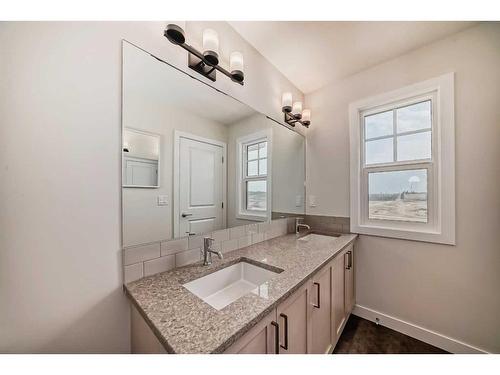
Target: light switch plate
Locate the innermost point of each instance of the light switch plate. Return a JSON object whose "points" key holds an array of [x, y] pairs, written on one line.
{"points": [[298, 200], [162, 200], [312, 201]]}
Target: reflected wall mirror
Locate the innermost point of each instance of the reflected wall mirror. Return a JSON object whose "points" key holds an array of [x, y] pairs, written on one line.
{"points": [[141, 158], [195, 160]]}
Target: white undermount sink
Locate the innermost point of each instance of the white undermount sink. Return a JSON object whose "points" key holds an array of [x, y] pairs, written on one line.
{"points": [[311, 236], [225, 286]]}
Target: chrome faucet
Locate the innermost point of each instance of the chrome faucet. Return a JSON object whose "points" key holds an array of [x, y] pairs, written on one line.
{"points": [[299, 224], [207, 251]]}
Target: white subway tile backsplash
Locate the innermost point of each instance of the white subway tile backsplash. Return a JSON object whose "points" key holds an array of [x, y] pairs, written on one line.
{"points": [[195, 242], [146, 260], [174, 246], [237, 232], [220, 235], [187, 257], [252, 228], [257, 237], [244, 241], [264, 227], [133, 272], [159, 265], [141, 253], [229, 245]]}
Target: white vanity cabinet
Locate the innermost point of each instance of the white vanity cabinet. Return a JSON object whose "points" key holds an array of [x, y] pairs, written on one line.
{"points": [[294, 319], [343, 297], [349, 280], [321, 317], [263, 338], [311, 320]]}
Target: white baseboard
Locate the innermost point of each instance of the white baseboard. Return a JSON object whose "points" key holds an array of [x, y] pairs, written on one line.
{"points": [[420, 333]]}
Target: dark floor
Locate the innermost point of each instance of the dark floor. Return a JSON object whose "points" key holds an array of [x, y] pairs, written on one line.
{"points": [[360, 336]]}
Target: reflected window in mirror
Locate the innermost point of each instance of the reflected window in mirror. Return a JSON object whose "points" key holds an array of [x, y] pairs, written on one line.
{"points": [[253, 176]]}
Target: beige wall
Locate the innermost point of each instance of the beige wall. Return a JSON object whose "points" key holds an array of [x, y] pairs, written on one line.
{"points": [[60, 239], [452, 290]]}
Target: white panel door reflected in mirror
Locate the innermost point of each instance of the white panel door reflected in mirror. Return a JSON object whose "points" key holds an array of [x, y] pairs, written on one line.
{"points": [[141, 159]]}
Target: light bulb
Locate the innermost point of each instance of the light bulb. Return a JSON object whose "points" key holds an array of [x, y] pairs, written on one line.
{"points": [[306, 117], [297, 110], [236, 66], [211, 46], [286, 102]]}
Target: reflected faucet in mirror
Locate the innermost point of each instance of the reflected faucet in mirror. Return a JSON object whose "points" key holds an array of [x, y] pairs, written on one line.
{"points": [[299, 224]]}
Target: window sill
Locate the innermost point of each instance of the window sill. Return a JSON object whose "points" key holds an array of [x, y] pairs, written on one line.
{"points": [[404, 234], [252, 217]]}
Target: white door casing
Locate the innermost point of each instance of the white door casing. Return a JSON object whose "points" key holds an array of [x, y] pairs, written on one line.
{"points": [[199, 184]]}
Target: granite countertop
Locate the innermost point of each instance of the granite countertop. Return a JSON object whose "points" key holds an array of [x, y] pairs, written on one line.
{"points": [[186, 324]]}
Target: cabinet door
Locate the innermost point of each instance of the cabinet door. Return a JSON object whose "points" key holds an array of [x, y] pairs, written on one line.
{"points": [[293, 317], [261, 339], [321, 312], [349, 281], [338, 295]]}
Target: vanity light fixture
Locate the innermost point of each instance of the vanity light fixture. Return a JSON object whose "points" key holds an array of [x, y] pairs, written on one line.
{"points": [[207, 63], [294, 112]]}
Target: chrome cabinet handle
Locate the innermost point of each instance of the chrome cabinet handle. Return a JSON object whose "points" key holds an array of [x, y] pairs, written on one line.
{"points": [[318, 295], [185, 214], [285, 318], [276, 337], [349, 260]]}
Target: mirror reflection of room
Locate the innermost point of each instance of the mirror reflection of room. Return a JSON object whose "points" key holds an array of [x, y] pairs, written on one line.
{"points": [[196, 160]]}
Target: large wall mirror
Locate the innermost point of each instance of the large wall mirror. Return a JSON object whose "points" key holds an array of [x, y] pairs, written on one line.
{"points": [[195, 160]]}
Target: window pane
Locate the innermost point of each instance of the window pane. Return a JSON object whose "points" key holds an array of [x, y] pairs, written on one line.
{"points": [[414, 146], [379, 151], [398, 195], [256, 195], [262, 167], [253, 152], [379, 125], [263, 150], [414, 117], [252, 168]]}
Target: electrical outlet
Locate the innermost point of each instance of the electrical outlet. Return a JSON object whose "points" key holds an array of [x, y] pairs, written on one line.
{"points": [[312, 201]]}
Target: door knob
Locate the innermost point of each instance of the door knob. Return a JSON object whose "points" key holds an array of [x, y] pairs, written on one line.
{"points": [[185, 214]]}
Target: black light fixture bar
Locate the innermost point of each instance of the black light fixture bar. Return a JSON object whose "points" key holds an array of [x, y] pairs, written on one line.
{"points": [[201, 63], [292, 120], [293, 111]]}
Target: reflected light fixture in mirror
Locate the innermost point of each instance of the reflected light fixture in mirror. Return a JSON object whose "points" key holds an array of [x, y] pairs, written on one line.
{"points": [[297, 110], [295, 113], [306, 117]]}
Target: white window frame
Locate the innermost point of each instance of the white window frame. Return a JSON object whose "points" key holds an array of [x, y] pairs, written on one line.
{"points": [[241, 179], [440, 227]]}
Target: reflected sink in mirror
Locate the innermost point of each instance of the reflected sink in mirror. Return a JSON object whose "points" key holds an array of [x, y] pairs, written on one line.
{"points": [[225, 286], [314, 234]]}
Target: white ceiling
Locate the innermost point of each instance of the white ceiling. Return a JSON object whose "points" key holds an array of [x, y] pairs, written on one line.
{"points": [[312, 54]]}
